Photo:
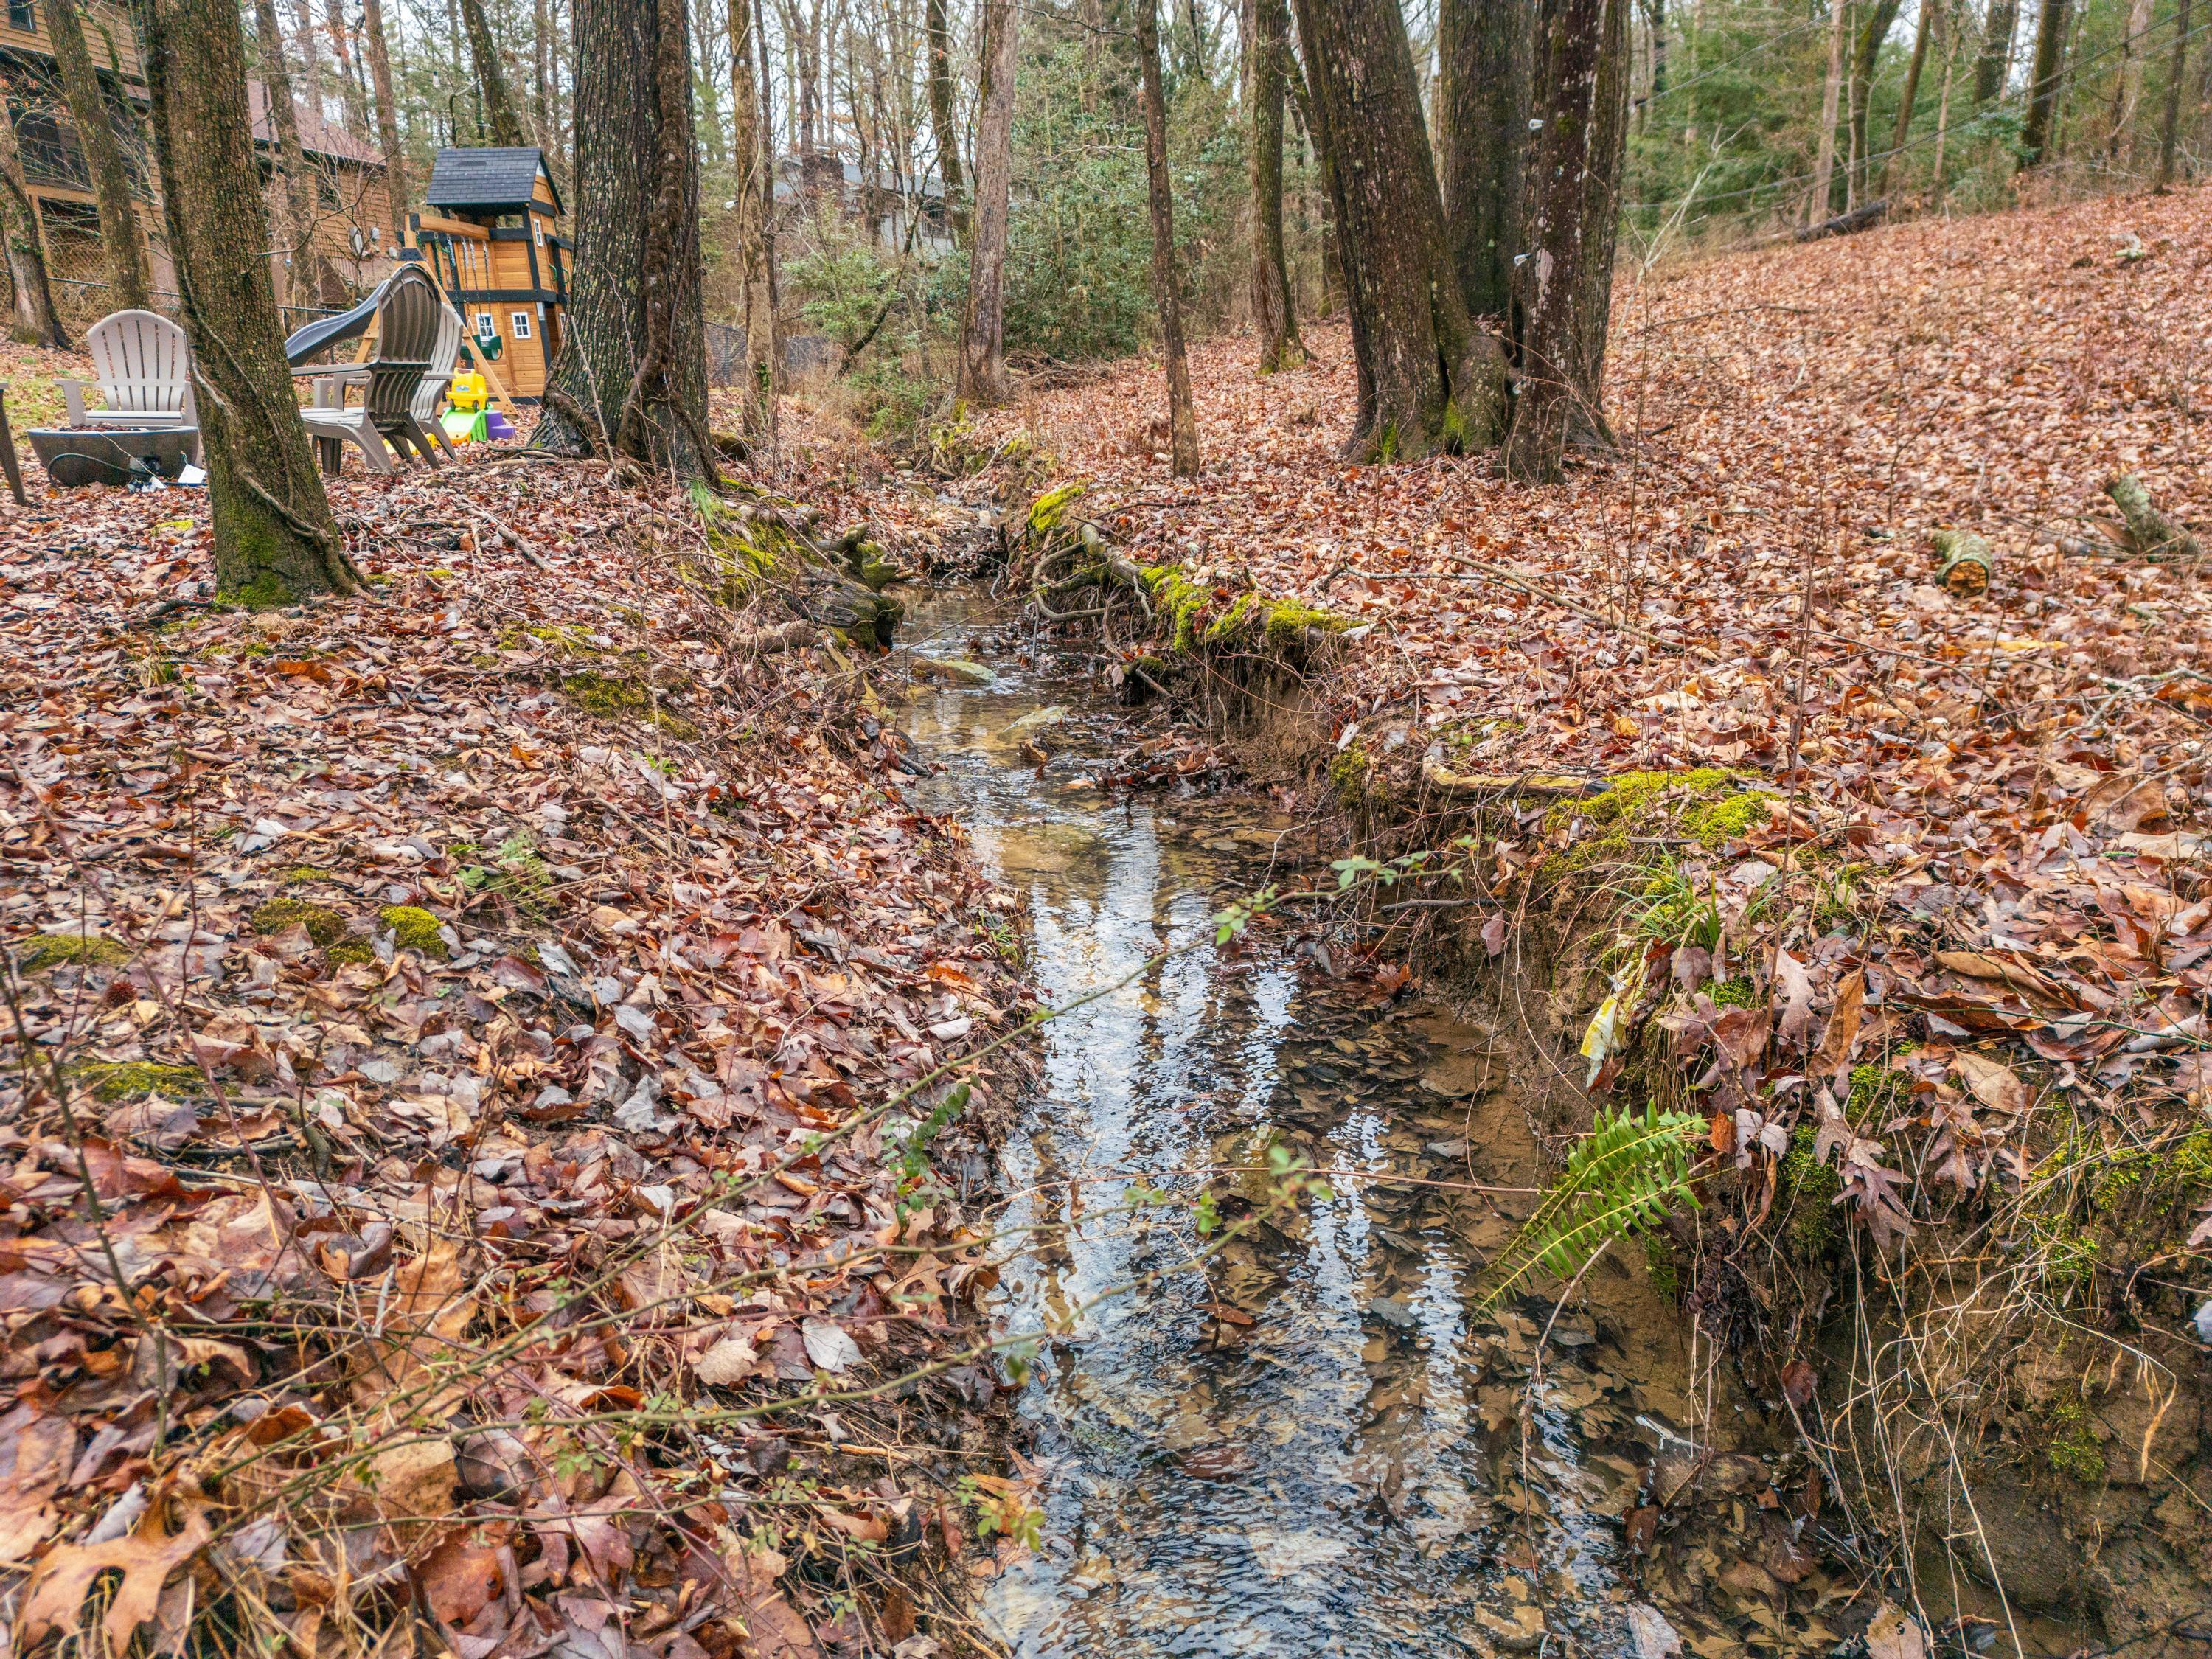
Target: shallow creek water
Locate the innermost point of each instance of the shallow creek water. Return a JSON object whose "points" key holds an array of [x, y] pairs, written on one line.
{"points": [[1307, 1446]]}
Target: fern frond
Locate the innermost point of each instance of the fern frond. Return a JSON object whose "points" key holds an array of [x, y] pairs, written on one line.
{"points": [[1622, 1177]]}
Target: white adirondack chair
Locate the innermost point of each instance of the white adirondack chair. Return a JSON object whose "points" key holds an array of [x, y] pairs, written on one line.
{"points": [[439, 375], [144, 368]]}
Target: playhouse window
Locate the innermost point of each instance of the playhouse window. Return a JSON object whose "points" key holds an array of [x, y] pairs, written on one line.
{"points": [[521, 321], [486, 327]]}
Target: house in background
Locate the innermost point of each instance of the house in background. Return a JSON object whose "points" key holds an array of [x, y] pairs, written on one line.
{"points": [[887, 205], [349, 241], [490, 229]]}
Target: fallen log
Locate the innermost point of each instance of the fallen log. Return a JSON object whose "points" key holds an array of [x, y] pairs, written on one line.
{"points": [[1967, 565], [1438, 775], [1847, 224], [2153, 535]]}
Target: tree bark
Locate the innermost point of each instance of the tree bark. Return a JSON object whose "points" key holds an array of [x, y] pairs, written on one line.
{"points": [[983, 331], [1601, 176], [349, 86], [750, 158], [2045, 80], [1485, 49], [541, 76], [1431, 381], [122, 238], [1866, 55], [1182, 426], [303, 280], [503, 126], [311, 56], [943, 125], [1993, 67], [388, 117], [1817, 205], [1274, 320], [36, 322], [1554, 295], [2169, 125], [632, 376], [1922, 32], [2134, 49], [274, 539]]}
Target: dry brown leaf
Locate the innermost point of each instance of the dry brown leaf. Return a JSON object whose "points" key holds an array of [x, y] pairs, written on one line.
{"points": [[1993, 1083], [54, 1597]]}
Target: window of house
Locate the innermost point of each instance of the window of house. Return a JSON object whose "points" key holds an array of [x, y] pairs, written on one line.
{"points": [[486, 327], [22, 15], [521, 321]]}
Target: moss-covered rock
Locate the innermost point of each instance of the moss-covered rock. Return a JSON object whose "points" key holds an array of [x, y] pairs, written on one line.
{"points": [[114, 1080], [324, 926], [1049, 510], [44, 951], [415, 929]]}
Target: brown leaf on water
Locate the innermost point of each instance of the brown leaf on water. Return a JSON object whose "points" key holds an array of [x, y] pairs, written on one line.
{"points": [[1894, 1633]]}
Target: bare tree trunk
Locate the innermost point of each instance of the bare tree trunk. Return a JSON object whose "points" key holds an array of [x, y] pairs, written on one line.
{"points": [[2045, 80], [2134, 49], [1951, 43], [350, 89], [1601, 174], [123, 239], [36, 322], [500, 118], [1430, 380], [751, 156], [1274, 319], [1993, 68], [1181, 424], [311, 56], [1485, 48], [632, 378], [302, 280], [1553, 276], [943, 127], [1866, 55], [388, 117], [541, 79], [2170, 125], [1903, 129], [274, 539], [983, 333], [1824, 166]]}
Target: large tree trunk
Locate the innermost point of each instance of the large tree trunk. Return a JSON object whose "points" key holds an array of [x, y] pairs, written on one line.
{"points": [[503, 124], [1817, 205], [750, 159], [983, 330], [943, 126], [387, 115], [1922, 33], [349, 83], [1601, 176], [2134, 49], [1992, 69], [2169, 125], [1274, 319], [2045, 80], [303, 278], [35, 321], [1866, 54], [632, 377], [541, 76], [1553, 277], [1485, 48], [123, 239], [274, 540], [1181, 424], [311, 56], [1430, 380]]}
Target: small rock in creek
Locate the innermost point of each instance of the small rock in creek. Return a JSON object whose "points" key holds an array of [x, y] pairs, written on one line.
{"points": [[953, 670]]}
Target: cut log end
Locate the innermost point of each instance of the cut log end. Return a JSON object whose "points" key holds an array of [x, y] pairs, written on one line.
{"points": [[1967, 563]]}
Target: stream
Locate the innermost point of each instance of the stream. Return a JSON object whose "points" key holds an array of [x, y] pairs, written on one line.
{"points": [[1306, 1446]]}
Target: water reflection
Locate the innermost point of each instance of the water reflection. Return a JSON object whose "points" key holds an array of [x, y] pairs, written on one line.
{"points": [[1304, 1449]]}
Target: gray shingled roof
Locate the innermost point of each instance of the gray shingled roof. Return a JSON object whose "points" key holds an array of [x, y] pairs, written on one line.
{"points": [[485, 178]]}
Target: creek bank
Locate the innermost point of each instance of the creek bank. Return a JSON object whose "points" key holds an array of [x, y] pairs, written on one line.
{"points": [[1700, 935]]}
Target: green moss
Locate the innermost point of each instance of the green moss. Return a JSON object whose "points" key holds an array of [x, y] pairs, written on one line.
{"points": [[2067, 1254], [264, 590], [299, 872], [1287, 619], [324, 926], [613, 699], [1348, 769], [1047, 511], [1877, 1092], [1386, 446], [1737, 992], [1633, 799], [2070, 1444], [1229, 620], [351, 949], [1720, 821], [1810, 1185], [1179, 599], [129, 1079], [46, 951], [415, 929]]}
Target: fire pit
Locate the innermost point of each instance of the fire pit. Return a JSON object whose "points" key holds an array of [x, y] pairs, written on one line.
{"points": [[85, 455]]}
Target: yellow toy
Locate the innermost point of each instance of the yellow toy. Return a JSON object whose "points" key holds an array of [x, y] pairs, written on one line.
{"points": [[466, 392]]}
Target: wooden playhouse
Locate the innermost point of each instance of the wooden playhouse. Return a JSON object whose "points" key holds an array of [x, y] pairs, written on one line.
{"points": [[490, 229]]}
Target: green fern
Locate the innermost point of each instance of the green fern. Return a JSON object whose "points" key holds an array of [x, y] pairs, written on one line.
{"points": [[1623, 1177]]}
